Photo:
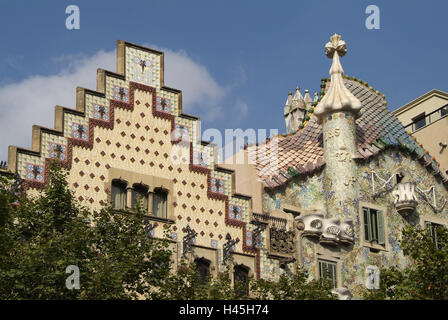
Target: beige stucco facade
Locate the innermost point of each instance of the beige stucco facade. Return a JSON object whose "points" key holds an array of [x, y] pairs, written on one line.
{"points": [[433, 135]]}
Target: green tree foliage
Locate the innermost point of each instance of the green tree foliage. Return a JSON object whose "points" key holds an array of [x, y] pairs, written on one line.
{"points": [[293, 287], [186, 284], [427, 275], [45, 234], [40, 236]]}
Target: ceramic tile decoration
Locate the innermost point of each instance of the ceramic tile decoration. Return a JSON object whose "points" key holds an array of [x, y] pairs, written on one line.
{"points": [[327, 168], [80, 131], [142, 67], [117, 89]]}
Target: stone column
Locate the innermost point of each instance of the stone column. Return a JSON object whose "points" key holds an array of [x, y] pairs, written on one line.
{"points": [[337, 112]]}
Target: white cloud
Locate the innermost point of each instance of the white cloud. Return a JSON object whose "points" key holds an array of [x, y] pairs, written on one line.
{"points": [[32, 100], [241, 108], [201, 93]]}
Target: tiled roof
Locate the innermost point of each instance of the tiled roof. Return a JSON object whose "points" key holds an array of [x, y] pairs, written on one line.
{"points": [[302, 153]]}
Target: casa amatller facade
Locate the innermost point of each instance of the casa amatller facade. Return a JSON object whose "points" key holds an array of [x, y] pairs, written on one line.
{"points": [[331, 195]]}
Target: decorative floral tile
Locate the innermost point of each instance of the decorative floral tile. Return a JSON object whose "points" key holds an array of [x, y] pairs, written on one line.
{"points": [[217, 185], [58, 151], [101, 112], [34, 172], [235, 212], [142, 67], [80, 131], [163, 105], [121, 94]]}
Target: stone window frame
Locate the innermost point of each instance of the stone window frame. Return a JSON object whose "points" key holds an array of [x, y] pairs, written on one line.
{"points": [[151, 203], [329, 255], [363, 242], [123, 184], [141, 186], [205, 264], [435, 220], [246, 270], [206, 253], [245, 260], [337, 269], [132, 178]]}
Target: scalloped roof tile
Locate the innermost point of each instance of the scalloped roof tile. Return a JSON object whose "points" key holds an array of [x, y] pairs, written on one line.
{"points": [[376, 129]]}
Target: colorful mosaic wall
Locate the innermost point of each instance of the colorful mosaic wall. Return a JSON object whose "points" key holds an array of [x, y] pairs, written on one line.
{"points": [[303, 192]]}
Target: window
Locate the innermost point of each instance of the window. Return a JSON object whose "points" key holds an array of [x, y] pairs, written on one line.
{"points": [[327, 270], [139, 193], [202, 267], [241, 280], [433, 229], [444, 111], [159, 203], [373, 226], [419, 121], [118, 194]]}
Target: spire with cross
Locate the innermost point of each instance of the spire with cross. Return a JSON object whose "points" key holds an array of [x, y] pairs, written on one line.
{"points": [[337, 98]]}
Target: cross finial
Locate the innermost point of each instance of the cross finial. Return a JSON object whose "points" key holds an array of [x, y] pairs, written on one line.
{"points": [[336, 44], [337, 98]]}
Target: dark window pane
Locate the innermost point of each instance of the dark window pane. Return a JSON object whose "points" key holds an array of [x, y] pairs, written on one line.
{"points": [[366, 224], [118, 195], [444, 111], [140, 193], [327, 270], [420, 122], [203, 267], [241, 280], [433, 231], [374, 221], [159, 203]]}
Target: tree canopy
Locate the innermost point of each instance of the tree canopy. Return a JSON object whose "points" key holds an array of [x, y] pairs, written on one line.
{"points": [[41, 236]]}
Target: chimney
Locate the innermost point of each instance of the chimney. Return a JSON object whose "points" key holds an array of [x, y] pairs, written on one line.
{"points": [[337, 112]]}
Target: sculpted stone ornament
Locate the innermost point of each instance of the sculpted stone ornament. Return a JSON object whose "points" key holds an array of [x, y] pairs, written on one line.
{"points": [[338, 97], [282, 241], [347, 234], [312, 224], [404, 197], [404, 193], [329, 230], [332, 230]]}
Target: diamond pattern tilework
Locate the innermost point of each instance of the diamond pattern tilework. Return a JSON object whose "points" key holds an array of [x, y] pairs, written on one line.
{"points": [[131, 150], [221, 183]]}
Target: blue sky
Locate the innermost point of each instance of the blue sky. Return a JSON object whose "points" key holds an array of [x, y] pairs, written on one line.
{"points": [[244, 56]]}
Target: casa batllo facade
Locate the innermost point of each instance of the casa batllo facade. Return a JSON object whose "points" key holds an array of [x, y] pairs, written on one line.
{"points": [[332, 195]]}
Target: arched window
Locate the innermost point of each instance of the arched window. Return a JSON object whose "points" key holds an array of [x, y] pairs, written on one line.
{"points": [[118, 194], [241, 280], [203, 269], [140, 193], [159, 203]]}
